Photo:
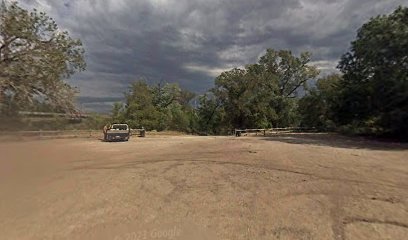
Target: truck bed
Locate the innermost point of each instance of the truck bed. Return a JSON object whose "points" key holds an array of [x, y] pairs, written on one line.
{"points": [[117, 135]]}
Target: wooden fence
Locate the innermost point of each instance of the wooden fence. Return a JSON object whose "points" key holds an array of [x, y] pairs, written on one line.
{"points": [[239, 132], [65, 133]]}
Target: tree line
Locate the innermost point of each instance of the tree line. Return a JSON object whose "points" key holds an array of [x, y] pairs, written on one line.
{"points": [[369, 94]]}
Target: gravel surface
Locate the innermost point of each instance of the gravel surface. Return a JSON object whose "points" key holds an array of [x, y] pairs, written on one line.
{"points": [[288, 186]]}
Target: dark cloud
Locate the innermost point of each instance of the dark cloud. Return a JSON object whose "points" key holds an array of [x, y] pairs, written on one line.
{"points": [[191, 41]]}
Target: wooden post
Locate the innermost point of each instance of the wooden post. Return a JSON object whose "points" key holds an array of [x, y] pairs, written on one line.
{"points": [[237, 133], [142, 132]]}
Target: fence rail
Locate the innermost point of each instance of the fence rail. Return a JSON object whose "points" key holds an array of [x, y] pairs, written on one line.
{"points": [[238, 132], [141, 132], [45, 133], [67, 133], [52, 114]]}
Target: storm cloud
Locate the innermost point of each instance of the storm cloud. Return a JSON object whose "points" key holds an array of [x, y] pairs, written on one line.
{"points": [[192, 41]]}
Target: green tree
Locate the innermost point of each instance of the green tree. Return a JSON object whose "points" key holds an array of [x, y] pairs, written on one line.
{"points": [[139, 109], [159, 107], [264, 94], [173, 103], [317, 107], [118, 112], [231, 92], [211, 116], [284, 73], [35, 57], [165, 94], [374, 89]]}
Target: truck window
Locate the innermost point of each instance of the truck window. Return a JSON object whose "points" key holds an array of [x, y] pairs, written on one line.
{"points": [[119, 127]]}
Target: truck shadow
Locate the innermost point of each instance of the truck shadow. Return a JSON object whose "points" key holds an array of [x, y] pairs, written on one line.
{"points": [[111, 141]]}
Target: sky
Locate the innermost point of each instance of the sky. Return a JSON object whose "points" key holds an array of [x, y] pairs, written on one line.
{"points": [[190, 42]]}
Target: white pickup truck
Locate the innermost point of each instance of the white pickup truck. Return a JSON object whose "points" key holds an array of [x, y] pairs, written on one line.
{"points": [[117, 132]]}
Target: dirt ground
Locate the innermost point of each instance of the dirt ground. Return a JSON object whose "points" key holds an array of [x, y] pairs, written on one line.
{"points": [[289, 186]]}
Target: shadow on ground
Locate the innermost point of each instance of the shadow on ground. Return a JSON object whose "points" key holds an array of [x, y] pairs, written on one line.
{"points": [[335, 140]]}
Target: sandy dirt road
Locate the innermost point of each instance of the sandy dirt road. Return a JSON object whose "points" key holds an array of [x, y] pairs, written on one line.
{"points": [[293, 186]]}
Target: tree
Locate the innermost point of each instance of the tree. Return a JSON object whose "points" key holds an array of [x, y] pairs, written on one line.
{"points": [[173, 103], [160, 107], [264, 94], [211, 116], [118, 112], [285, 73], [165, 94], [139, 109], [374, 89], [231, 92], [317, 107], [35, 57]]}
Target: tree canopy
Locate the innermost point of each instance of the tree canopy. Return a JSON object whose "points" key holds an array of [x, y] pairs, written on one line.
{"points": [[35, 58], [374, 89], [317, 107], [263, 94], [158, 107]]}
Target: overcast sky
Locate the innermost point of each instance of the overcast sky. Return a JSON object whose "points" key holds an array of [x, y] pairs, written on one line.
{"points": [[192, 41]]}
